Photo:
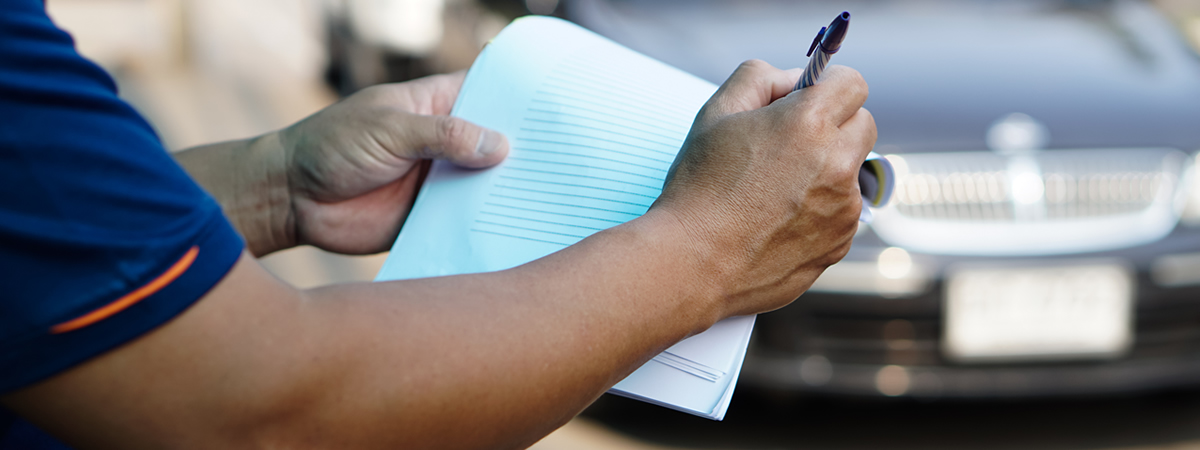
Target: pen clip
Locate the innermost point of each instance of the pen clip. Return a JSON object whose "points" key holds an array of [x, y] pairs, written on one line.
{"points": [[816, 40]]}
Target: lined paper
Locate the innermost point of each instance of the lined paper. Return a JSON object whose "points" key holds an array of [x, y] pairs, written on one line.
{"points": [[593, 129], [591, 152]]}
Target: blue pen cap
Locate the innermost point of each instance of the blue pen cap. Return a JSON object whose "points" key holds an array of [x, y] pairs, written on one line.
{"points": [[835, 32]]}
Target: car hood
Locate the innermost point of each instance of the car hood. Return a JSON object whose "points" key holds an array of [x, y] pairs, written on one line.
{"points": [[1096, 74]]}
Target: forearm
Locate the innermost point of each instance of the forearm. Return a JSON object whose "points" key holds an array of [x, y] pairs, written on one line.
{"points": [[515, 354], [248, 178]]}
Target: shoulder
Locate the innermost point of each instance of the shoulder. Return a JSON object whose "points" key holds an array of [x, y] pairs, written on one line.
{"points": [[103, 235]]}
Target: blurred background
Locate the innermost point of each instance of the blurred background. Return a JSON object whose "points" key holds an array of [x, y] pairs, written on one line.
{"points": [[868, 359]]}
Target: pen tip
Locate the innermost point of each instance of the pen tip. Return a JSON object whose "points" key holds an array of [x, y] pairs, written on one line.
{"points": [[832, 41]]}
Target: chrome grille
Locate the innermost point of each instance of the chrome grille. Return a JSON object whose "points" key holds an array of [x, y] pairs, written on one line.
{"points": [[979, 186]]}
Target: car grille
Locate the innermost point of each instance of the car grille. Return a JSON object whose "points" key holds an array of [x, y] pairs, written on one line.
{"points": [[982, 186]]}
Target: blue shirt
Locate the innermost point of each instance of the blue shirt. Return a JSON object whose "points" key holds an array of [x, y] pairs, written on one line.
{"points": [[103, 237]]}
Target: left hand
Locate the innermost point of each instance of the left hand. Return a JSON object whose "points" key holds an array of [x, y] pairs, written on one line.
{"points": [[354, 168]]}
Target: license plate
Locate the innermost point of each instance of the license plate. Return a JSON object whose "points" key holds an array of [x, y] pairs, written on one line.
{"points": [[1083, 310]]}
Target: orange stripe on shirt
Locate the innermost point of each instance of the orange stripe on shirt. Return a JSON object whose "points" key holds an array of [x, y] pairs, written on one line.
{"points": [[131, 298]]}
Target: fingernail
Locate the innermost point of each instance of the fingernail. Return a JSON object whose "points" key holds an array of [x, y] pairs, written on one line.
{"points": [[489, 142]]}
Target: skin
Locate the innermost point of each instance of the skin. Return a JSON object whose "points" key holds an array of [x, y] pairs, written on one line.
{"points": [[762, 199]]}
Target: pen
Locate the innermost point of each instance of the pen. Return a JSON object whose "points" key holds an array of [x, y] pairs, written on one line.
{"points": [[876, 177], [827, 42]]}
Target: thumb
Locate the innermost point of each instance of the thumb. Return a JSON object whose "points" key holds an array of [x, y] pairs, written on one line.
{"points": [[452, 139]]}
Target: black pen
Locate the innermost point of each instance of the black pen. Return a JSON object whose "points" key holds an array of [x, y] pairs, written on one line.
{"points": [[827, 42]]}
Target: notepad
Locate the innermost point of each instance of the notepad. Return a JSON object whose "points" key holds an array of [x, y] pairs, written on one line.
{"points": [[593, 128]]}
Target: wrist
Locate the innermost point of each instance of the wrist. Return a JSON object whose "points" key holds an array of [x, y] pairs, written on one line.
{"points": [[694, 264], [724, 244], [248, 178], [265, 199]]}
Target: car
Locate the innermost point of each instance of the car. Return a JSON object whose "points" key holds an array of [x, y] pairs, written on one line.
{"points": [[1044, 235]]}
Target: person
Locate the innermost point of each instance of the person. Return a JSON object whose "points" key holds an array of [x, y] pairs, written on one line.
{"points": [[134, 316]]}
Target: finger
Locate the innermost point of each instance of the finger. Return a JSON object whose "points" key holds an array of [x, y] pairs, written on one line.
{"points": [[857, 135], [838, 96], [753, 85], [432, 95], [452, 139]]}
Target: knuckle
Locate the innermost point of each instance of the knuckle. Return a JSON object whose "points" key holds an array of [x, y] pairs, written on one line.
{"points": [[813, 121], [849, 74], [856, 77], [871, 129], [867, 116], [851, 80], [840, 252], [843, 242], [754, 65], [858, 84], [753, 71], [833, 255], [810, 116], [453, 132]]}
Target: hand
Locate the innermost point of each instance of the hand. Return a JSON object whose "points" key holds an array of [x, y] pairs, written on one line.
{"points": [[354, 168], [767, 181]]}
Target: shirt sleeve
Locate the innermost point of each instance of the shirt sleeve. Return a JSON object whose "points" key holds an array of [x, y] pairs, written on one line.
{"points": [[103, 237]]}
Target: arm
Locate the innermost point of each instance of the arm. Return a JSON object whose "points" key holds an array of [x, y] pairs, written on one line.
{"points": [[495, 359]]}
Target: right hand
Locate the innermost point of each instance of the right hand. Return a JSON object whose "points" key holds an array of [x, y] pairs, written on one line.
{"points": [[767, 181]]}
